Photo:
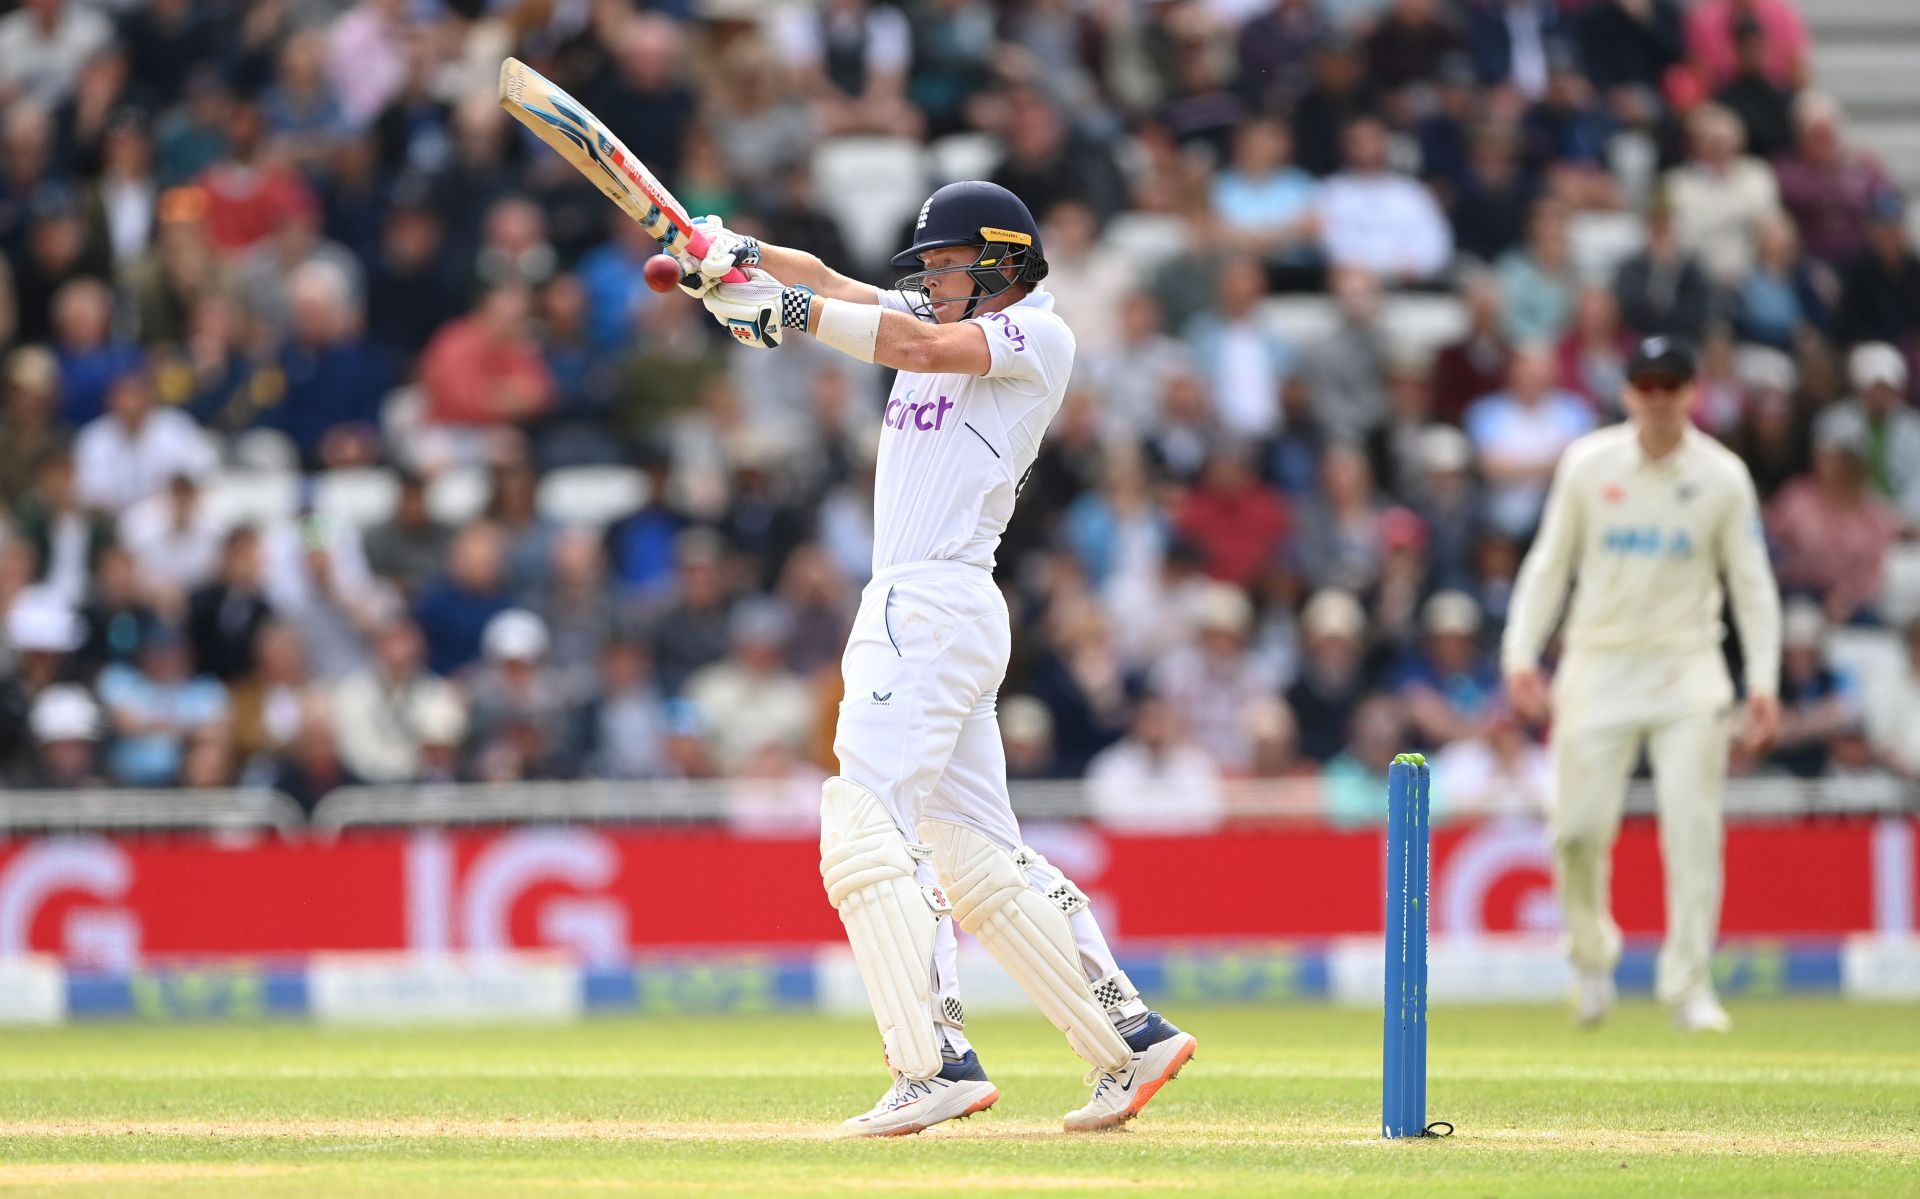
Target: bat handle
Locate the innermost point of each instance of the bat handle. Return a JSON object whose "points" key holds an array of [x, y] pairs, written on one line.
{"points": [[697, 249]]}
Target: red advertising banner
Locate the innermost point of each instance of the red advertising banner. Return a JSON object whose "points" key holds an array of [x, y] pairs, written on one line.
{"points": [[604, 892]]}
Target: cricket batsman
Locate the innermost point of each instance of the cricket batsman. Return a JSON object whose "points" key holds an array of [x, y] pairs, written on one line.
{"points": [[917, 825], [1650, 517]]}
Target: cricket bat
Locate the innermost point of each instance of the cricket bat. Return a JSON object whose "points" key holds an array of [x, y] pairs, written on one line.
{"points": [[583, 140]]}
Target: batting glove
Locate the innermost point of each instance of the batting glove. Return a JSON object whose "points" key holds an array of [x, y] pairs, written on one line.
{"points": [[726, 250], [756, 311]]}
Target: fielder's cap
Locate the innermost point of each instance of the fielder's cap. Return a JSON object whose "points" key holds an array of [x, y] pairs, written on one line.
{"points": [[40, 623], [1802, 624], [65, 712], [1876, 362], [1334, 613], [1453, 612], [1223, 608], [1666, 359], [515, 635]]}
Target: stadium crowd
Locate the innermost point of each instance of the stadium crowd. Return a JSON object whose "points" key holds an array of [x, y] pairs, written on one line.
{"points": [[299, 239]]}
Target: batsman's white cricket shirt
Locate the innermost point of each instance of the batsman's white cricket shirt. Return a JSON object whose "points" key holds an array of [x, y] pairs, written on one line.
{"points": [[1650, 542], [955, 449]]}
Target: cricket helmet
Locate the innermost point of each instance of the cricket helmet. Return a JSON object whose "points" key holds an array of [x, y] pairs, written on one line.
{"points": [[976, 213]]}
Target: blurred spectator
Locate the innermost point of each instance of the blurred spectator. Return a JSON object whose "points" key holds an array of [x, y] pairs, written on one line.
{"points": [[1663, 289], [624, 727], [65, 724], [1346, 371], [66, 539], [30, 428], [264, 273], [1133, 373], [1511, 42], [121, 203], [1720, 197], [513, 509], [335, 379], [1450, 500], [1893, 712], [1269, 205], [91, 357], [1630, 43], [175, 538], [518, 724], [1085, 278], [1047, 161], [749, 699], [1496, 770], [850, 58], [408, 547], [1332, 681], [384, 716], [1082, 677], [134, 451], [1154, 780], [455, 608], [250, 191], [269, 698], [691, 630], [1828, 184], [414, 286], [759, 125], [367, 57], [1593, 354], [225, 617], [1119, 533], [483, 372], [1211, 680], [1353, 783], [179, 272], [1518, 435], [1817, 703], [1338, 96], [309, 766], [1784, 300], [1713, 33], [1410, 42], [1238, 523], [1026, 730], [1380, 221], [116, 616], [1569, 135], [157, 708], [44, 44], [1477, 363], [1880, 288], [1491, 198], [1275, 50], [1449, 686], [1831, 530], [1338, 537], [1764, 105], [1536, 284], [581, 614], [1878, 413], [41, 633], [58, 264], [1249, 360], [1773, 435], [514, 248]]}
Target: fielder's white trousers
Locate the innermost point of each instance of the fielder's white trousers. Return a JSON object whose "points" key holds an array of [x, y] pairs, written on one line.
{"points": [[918, 727], [1607, 706]]}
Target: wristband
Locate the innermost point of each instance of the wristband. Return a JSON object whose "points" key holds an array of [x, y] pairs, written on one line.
{"points": [[853, 329], [796, 303]]}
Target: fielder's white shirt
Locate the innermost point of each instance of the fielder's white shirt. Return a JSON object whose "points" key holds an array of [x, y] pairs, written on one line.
{"points": [[1650, 542], [954, 449]]}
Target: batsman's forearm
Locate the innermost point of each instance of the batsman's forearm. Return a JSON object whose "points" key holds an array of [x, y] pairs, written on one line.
{"points": [[799, 268]]}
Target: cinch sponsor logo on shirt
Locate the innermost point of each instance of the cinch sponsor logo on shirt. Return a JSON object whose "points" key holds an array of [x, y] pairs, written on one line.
{"points": [[926, 416], [1647, 541]]}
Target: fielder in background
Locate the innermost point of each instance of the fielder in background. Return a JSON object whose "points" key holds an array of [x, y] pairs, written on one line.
{"points": [[1650, 516], [918, 823]]}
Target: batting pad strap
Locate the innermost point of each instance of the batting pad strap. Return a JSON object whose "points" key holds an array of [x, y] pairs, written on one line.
{"points": [[890, 920], [853, 329], [1027, 933], [1115, 991]]}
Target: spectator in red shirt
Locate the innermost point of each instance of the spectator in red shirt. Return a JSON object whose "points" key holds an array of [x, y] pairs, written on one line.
{"points": [[1711, 39], [486, 368], [1238, 522], [249, 192]]}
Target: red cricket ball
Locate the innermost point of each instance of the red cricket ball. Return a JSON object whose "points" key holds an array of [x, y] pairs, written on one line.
{"points": [[662, 272]]}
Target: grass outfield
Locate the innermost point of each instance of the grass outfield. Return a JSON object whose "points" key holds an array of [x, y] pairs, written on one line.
{"points": [[1809, 1096]]}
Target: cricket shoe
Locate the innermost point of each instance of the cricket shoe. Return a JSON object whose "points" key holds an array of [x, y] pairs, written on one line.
{"points": [[1701, 1013], [1159, 1050], [916, 1104], [1593, 996]]}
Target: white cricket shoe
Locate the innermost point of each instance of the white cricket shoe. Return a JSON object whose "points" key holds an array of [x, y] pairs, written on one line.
{"points": [[1593, 996], [1159, 1050], [1701, 1013], [916, 1104]]}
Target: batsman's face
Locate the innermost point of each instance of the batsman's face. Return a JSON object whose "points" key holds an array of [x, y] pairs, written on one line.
{"points": [[948, 293]]}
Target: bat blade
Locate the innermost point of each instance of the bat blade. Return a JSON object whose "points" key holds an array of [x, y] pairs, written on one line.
{"points": [[585, 141]]}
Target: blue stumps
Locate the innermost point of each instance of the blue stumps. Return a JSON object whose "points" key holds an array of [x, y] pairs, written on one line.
{"points": [[1403, 1101]]}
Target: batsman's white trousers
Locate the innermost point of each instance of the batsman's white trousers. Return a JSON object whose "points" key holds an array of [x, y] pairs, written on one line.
{"points": [[918, 728], [1606, 707]]}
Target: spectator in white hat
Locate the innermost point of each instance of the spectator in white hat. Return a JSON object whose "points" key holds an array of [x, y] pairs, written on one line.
{"points": [[1332, 678], [1156, 780], [749, 697], [1878, 374], [520, 720], [1211, 680], [66, 728], [1448, 685]]}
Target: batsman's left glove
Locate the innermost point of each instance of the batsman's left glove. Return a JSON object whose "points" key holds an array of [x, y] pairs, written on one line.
{"points": [[725, 251], [756, 311]]}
